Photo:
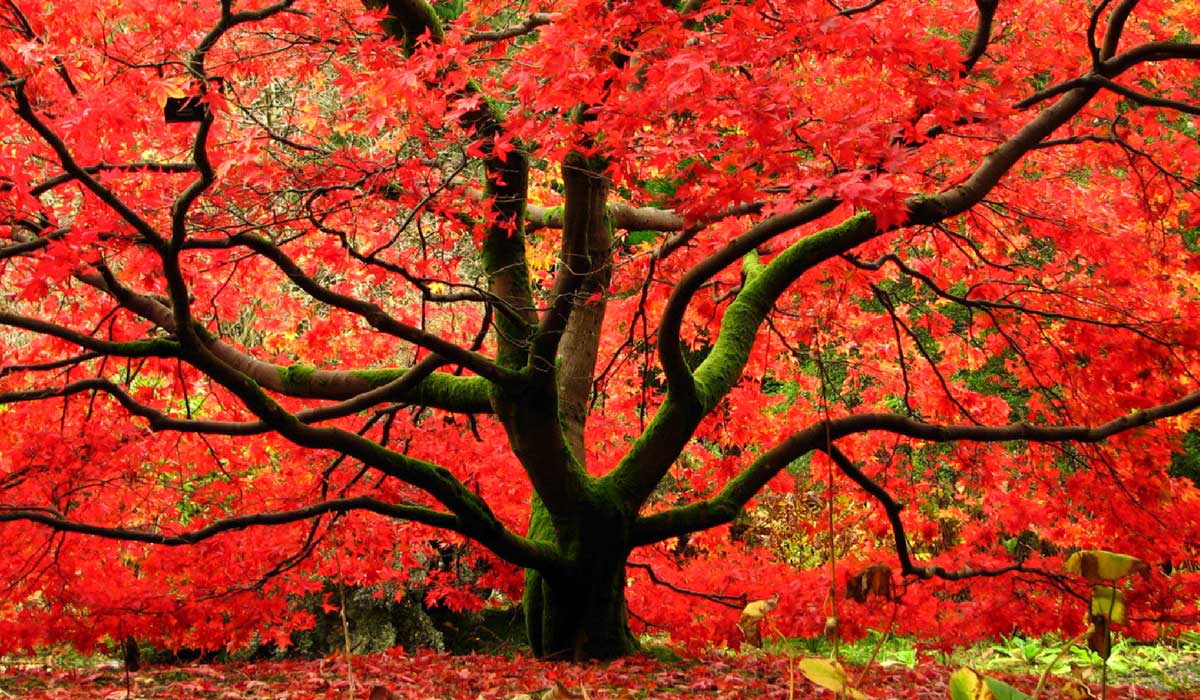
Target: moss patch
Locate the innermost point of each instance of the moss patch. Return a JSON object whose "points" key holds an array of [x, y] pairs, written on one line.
{"points": [[296, 376]]}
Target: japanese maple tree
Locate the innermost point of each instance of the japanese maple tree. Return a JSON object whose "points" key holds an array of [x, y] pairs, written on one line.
{"points": [[301, 291]]}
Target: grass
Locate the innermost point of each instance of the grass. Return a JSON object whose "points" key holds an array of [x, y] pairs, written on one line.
{"points": [[894, 651], [1171, 665]]}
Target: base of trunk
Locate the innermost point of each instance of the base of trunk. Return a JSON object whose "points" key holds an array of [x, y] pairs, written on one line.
{"points": [[577, 611], [577, 620]]}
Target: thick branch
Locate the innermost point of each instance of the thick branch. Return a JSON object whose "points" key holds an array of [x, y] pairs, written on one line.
{"points": [[670, 350], [1104, 73], [402, 387], [25, 247], [725, 505], [52, 519], [688, 397], [1093, 24], [569, 335], [1149, 52], [1013, 431], [151, 347], [982, 35], [505, 185], [1116, 27], [438, 390], [50, 365], [134, 167], [995, 165], [532, 22], [630, 218], [172, 271], [559, 479], [1147, 100], [24, 110], [477, 519], [851, 11], [652, 454], [408, 20]]}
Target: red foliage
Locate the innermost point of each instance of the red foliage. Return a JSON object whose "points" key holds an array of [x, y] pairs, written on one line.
{"points": [[169, 292]]}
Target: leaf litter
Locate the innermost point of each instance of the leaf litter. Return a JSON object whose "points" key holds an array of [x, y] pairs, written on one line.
{"points": [[436, 676]]}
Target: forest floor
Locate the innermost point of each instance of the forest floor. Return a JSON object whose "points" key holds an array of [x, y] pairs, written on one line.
{"points": [[430, 676]]}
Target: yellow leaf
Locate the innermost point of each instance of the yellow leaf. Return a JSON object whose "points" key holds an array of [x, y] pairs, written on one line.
{"points": [[758, 609], [1099, 565], [1108, 602], [829, 674], [168, 87], [751, 620], [967, 684]]}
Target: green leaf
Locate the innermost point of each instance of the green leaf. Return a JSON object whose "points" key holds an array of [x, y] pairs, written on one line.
{"points": [[638, 237], [1003, 691]]}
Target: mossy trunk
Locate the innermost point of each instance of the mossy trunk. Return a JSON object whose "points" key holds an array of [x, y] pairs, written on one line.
{"points": [[578, 618], [580, 614]]}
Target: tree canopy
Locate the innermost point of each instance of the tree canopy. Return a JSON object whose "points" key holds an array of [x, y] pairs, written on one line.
{"points": [[623, 301]]}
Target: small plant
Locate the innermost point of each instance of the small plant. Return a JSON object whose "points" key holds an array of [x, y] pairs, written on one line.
{"points": [[1020, 652], [1104, 570], [1107, 606]]}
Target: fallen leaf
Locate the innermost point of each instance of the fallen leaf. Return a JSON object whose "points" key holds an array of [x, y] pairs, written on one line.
{"points": [[830, 675], [561, 692], [969, 684]]}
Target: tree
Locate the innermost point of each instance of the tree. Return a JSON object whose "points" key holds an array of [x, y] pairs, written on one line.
{"points": [[577, 282]]}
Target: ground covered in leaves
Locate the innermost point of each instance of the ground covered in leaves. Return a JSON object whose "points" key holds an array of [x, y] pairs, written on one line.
{"points": [[429, 676]]}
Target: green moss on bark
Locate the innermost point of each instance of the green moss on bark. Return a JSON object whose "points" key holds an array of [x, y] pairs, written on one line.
{"points": [[439, 390], [157, 347], [764, 284], [296, 378], [580, 613]]}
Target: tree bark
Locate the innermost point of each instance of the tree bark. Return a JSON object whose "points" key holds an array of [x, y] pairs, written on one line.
{"points": [[588, 253], [580, 613]]}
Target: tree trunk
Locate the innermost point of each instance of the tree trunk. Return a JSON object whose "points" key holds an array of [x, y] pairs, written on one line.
{"points": [[580, 614], [580, 617]]}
